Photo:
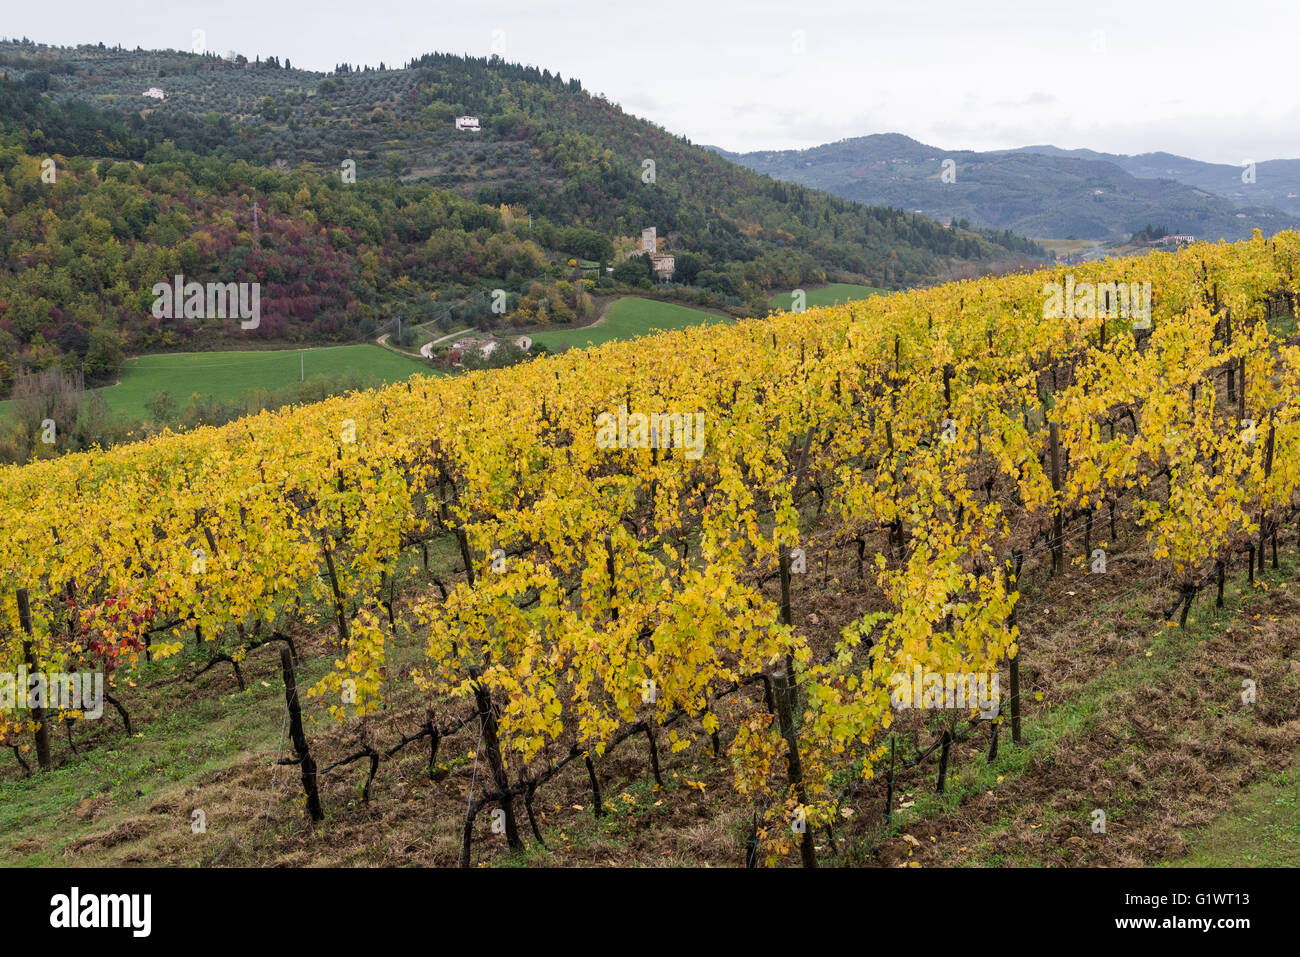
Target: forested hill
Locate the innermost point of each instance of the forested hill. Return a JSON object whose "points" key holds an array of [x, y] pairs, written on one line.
{"points": [[435, 219], [1041, 191]]}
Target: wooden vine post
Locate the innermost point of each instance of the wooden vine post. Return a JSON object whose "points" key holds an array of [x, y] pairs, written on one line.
{"points": [[1268, 472], [29, 655], [463, 541], [945, 748], [787, 615], [613, 578], [595, 787], [492, 747], [302, 753], [1227, 344], [1015, 660], [785, 715], [1058, 535], [1241, 391], [889, 783]]}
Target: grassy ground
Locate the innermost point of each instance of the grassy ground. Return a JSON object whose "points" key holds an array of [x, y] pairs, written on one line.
{"points": [[231, 375], [1261, 830], [1145, 726], [1283, 327], [626, 319], [833, 294]]}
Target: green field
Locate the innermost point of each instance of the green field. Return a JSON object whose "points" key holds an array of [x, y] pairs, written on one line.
{"points": [[231, 375], [626, 319], [836, 292], [1262, 829]]}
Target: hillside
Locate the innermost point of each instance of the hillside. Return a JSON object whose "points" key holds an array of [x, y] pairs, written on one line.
{"points": [[545, 143], [242, 173], [1277, 182], [460, 620], [1029, 192]]}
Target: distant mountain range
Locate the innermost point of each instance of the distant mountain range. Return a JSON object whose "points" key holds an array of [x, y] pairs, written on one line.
{"points": [[1277, 182], [1043, 191]]}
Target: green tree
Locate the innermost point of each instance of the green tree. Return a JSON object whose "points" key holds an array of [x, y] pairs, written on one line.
{"points": [[104, 356], [161, 406], [634, 271], [686, 267]]}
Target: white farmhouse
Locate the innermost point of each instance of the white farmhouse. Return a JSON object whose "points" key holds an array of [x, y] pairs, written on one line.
{"points": [[467, 124], [154, 93]]}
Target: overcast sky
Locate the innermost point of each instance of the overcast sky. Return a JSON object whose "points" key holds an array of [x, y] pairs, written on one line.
{"points": [[1204, 78]]}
